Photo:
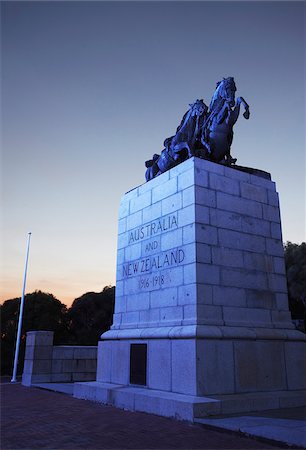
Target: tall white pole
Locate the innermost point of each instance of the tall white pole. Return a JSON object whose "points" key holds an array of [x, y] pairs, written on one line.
{"points": [[13, 380]]}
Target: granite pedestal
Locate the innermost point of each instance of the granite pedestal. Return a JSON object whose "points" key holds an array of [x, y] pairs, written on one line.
{"points": [[201, 323]]}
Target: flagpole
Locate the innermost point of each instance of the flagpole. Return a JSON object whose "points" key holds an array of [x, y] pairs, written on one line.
{"points": [[13, 380]]}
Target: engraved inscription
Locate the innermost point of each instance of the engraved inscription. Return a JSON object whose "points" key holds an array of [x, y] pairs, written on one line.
{"points": [[156, 227], [161, 261]]}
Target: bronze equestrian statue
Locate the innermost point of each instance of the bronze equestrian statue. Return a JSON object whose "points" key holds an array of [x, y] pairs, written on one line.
{"points": [[203, 132]]}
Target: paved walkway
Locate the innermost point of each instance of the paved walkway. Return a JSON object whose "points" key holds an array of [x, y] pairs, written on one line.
{"points": [[34, 418]]}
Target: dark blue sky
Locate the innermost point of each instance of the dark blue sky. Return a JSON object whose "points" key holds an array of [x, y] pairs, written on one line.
{"points": [[91, 90]]}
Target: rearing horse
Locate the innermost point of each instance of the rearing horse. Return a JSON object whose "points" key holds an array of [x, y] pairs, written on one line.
{"points": [[217, 130]]}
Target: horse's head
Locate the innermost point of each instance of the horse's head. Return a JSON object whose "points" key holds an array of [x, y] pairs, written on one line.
{"points": [[226, 90], [198, 108]]}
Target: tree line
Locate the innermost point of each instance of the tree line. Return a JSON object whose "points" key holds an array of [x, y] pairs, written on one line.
{"points": [[82, 324]]}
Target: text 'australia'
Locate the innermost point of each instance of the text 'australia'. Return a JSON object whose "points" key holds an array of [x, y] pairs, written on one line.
{"points": [[162, 261], [152, 228]]}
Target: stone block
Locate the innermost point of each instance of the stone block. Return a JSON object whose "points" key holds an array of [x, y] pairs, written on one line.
{"points": [[278, 282], [37, 378], [161, 179], [282, 317], [190, 274], [206, 234], [203, 253], [150, 317], [172, 203], [180, 169], [40, 338], [124, 208], [239, 205], [83, 376], [225, 219], [172, 239], [215, 367], [205, 197], [57, 366], [164, 190], [190, 312], [130, 318], [271, 213], [28, 366], [255, 226], [188, 196], [147, 403], [183, 361], [104, 361], [202, 214], [134, 220], [201, 177], [243, 278], [62, 377], [186, 216], [120, 304], [132, 252], [159, 364], [273, 198], [42, 366], [274, 247], [237, 174], [122, 225], [258, 298], [259, 366], [204, 164], [210, 314], [276, 231], [241, 241], [259, 181], [187, 294], [281, 301], [189, 233], [133, 193], [85, 352], [224, 184], [256, 317], [152, 212], [140, 202], [279, 265], [229, 296], [123, 399], [186, 179], [208, 274], [26, 379], [171, 314], [68, 365], [223, 256], [253, 192], [120, 364], [257, 261], [164, 297], [138, 302]]}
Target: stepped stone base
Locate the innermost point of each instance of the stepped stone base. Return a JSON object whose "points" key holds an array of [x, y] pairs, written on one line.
{"points": [[201, 322], [185, 407]]}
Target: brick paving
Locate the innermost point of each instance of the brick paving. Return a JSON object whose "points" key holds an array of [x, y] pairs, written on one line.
{"points": [[38, 419]]}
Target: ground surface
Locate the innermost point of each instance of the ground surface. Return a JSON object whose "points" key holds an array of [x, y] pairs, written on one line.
{"points": [[38, 419]]}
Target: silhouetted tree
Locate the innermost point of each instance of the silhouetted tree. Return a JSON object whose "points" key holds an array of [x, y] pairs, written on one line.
{"points": [[295, 259], [41, 312], [91, 315]]}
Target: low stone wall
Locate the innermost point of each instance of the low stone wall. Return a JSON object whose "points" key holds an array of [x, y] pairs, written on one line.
{"points": [[45, 363]]}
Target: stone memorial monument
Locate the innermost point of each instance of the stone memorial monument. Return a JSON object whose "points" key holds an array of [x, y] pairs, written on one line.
{"points": [[201, 324]]}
